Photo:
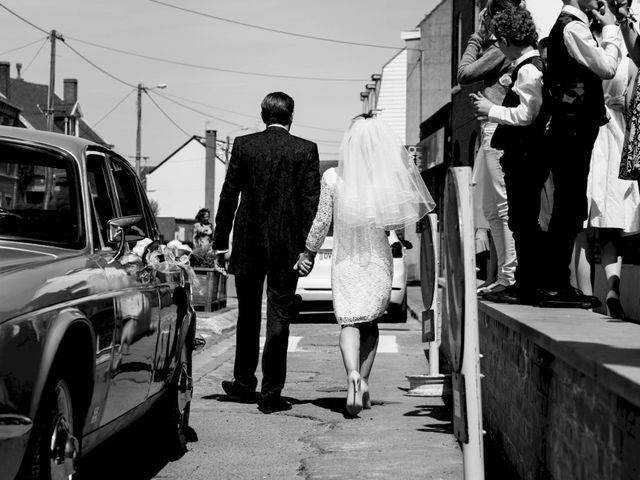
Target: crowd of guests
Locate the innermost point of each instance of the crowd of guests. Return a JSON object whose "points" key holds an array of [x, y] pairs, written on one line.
{"points": [[559, 154]]}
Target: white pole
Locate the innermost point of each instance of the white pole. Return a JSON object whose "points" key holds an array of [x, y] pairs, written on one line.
{"points": [[473, 452], [434, 355]]}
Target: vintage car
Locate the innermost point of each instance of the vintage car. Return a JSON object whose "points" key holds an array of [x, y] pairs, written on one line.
{"points": [[96, 327]]}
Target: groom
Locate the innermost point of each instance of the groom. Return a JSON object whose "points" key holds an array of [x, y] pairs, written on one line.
{"points": [[277, 178]]}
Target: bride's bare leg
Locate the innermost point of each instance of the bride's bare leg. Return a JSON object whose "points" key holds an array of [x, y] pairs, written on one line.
{"points": [[350, 348], [369, 335]]}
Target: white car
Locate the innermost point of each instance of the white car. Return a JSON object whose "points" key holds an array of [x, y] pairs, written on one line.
{"points": [[314, 291]]}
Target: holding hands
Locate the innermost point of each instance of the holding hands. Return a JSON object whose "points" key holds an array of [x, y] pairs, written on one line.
{"points": [[305, 262], [481, 105]]}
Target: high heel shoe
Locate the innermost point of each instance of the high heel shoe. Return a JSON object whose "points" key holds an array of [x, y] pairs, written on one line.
{"points": [[366, 399], [354, 394]]}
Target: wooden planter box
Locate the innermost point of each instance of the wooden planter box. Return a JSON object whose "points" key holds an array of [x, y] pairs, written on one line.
{"points": [[214, 290]]}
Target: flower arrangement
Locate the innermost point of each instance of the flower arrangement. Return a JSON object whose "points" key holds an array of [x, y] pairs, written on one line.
{"points": [[203, 257], [505, 80]]}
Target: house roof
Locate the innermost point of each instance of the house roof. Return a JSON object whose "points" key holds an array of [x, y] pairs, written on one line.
{"points": [[197, 138], [32, 98]]}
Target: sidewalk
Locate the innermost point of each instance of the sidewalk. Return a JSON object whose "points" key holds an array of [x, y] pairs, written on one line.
{"points": [[213, 326]]}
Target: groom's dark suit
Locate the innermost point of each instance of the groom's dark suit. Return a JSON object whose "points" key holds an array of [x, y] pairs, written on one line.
{"points": [[277, 178]]}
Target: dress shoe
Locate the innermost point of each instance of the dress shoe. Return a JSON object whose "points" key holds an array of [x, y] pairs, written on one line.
{"points": [[238, 392], [272, 403], [568, 297], [499, 293]]}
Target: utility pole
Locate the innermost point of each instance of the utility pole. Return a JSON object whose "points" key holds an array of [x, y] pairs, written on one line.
{"points": [[139, 130], [52, 81], [227, 153]]}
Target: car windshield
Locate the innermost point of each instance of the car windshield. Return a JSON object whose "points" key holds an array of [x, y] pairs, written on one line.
{"points": [[39, 201]]}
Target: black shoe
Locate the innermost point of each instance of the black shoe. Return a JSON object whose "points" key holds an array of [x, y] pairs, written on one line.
{"points": [[567, 298], [615, 308], [238, 392], [500, 294], [272, 403], [522, 296]]}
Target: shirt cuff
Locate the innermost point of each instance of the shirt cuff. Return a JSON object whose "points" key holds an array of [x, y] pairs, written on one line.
{"points": [[494, 113]]}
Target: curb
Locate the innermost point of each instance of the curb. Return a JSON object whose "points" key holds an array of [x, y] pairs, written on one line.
{"points": [[215, 326]]}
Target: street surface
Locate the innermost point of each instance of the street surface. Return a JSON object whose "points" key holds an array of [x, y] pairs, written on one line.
{"points": [[400, 437]]}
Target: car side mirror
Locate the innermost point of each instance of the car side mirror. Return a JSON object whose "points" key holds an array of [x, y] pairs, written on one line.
{"points": [[124, 231]]}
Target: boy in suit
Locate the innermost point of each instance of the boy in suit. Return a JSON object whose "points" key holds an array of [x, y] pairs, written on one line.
{"points": [[520, 134]]}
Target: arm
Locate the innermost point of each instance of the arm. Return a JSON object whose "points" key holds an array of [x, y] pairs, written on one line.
{"points": [[310, 190], [318, 231], [633, 72], [475, 65], [228, 201], [630, 37], [529, 88], [601, 60], [322, 220]]}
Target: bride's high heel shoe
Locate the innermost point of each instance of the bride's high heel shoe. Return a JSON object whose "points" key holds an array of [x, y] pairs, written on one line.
{"points": [[354, 394], [366, 399]]}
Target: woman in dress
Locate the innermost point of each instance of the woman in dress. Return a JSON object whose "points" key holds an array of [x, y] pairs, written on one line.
{"points": [[613, 203], [202, 230], [375, 188]]}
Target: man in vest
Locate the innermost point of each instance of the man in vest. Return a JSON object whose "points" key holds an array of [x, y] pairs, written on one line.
{"points": [[576, 66]]}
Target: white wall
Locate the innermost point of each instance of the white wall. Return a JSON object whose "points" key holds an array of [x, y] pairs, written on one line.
{"points": [[392, 99], [178, 184]]}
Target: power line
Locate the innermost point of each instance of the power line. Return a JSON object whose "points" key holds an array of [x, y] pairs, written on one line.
{"points": [[215, 69], [108, 113], [44, 42], [198, 111], [254, 117], [98, 67], [24, 19], [273, 30], [23, 46], [167, 116]]}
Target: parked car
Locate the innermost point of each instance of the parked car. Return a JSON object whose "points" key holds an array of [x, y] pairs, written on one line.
{"points": [[93, 335], [314, 290]]}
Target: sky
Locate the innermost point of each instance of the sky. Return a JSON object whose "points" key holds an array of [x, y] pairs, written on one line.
{"points": [[152, 29], [222, 101]]}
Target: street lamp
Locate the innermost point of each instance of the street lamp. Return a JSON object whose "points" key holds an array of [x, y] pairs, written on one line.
{"points": [[142, 88]]}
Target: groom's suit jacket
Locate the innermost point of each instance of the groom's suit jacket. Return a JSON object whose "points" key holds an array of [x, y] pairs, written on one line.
{"points": [[277, 177]]}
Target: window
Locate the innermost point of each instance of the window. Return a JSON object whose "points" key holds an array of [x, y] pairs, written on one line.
{"points": [[40, 194], [103, 208], [128, 194]]}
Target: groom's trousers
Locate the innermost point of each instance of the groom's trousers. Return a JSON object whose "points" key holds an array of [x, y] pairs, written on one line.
{"points": [[281, 308]]}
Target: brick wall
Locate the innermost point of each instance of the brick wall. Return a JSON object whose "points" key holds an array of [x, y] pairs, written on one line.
{"points": [[552, 420]]}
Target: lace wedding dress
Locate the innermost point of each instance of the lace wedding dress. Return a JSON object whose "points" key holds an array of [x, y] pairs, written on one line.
{"points": [[362, 265]]}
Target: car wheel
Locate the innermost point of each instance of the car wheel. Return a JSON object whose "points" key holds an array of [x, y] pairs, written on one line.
{"points": [[175, 406], [54, 449], [398, 312]]}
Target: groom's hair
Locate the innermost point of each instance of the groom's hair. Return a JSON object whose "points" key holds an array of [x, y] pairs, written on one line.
{"points": [[277, 107]]}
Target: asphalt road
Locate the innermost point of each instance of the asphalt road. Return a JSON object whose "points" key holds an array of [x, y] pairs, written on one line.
{"points": [[401, 437]]}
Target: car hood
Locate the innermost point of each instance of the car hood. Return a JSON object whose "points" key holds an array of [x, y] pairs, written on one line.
{"points": [[22, 257]]}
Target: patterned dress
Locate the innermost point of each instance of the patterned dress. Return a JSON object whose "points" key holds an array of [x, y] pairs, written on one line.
{"points": [[613, 203], [362, 265]]}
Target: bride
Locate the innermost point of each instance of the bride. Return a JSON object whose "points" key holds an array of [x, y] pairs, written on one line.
{"points": [[375, 188]]}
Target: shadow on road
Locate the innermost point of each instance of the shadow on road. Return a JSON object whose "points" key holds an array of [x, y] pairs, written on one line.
{"points": [[441, 418], [135, 453]]}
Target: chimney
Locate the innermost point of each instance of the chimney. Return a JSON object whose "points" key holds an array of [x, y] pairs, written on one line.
{"points": [[5, 78], [70, 91], [210, 171], [19, 71]]}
